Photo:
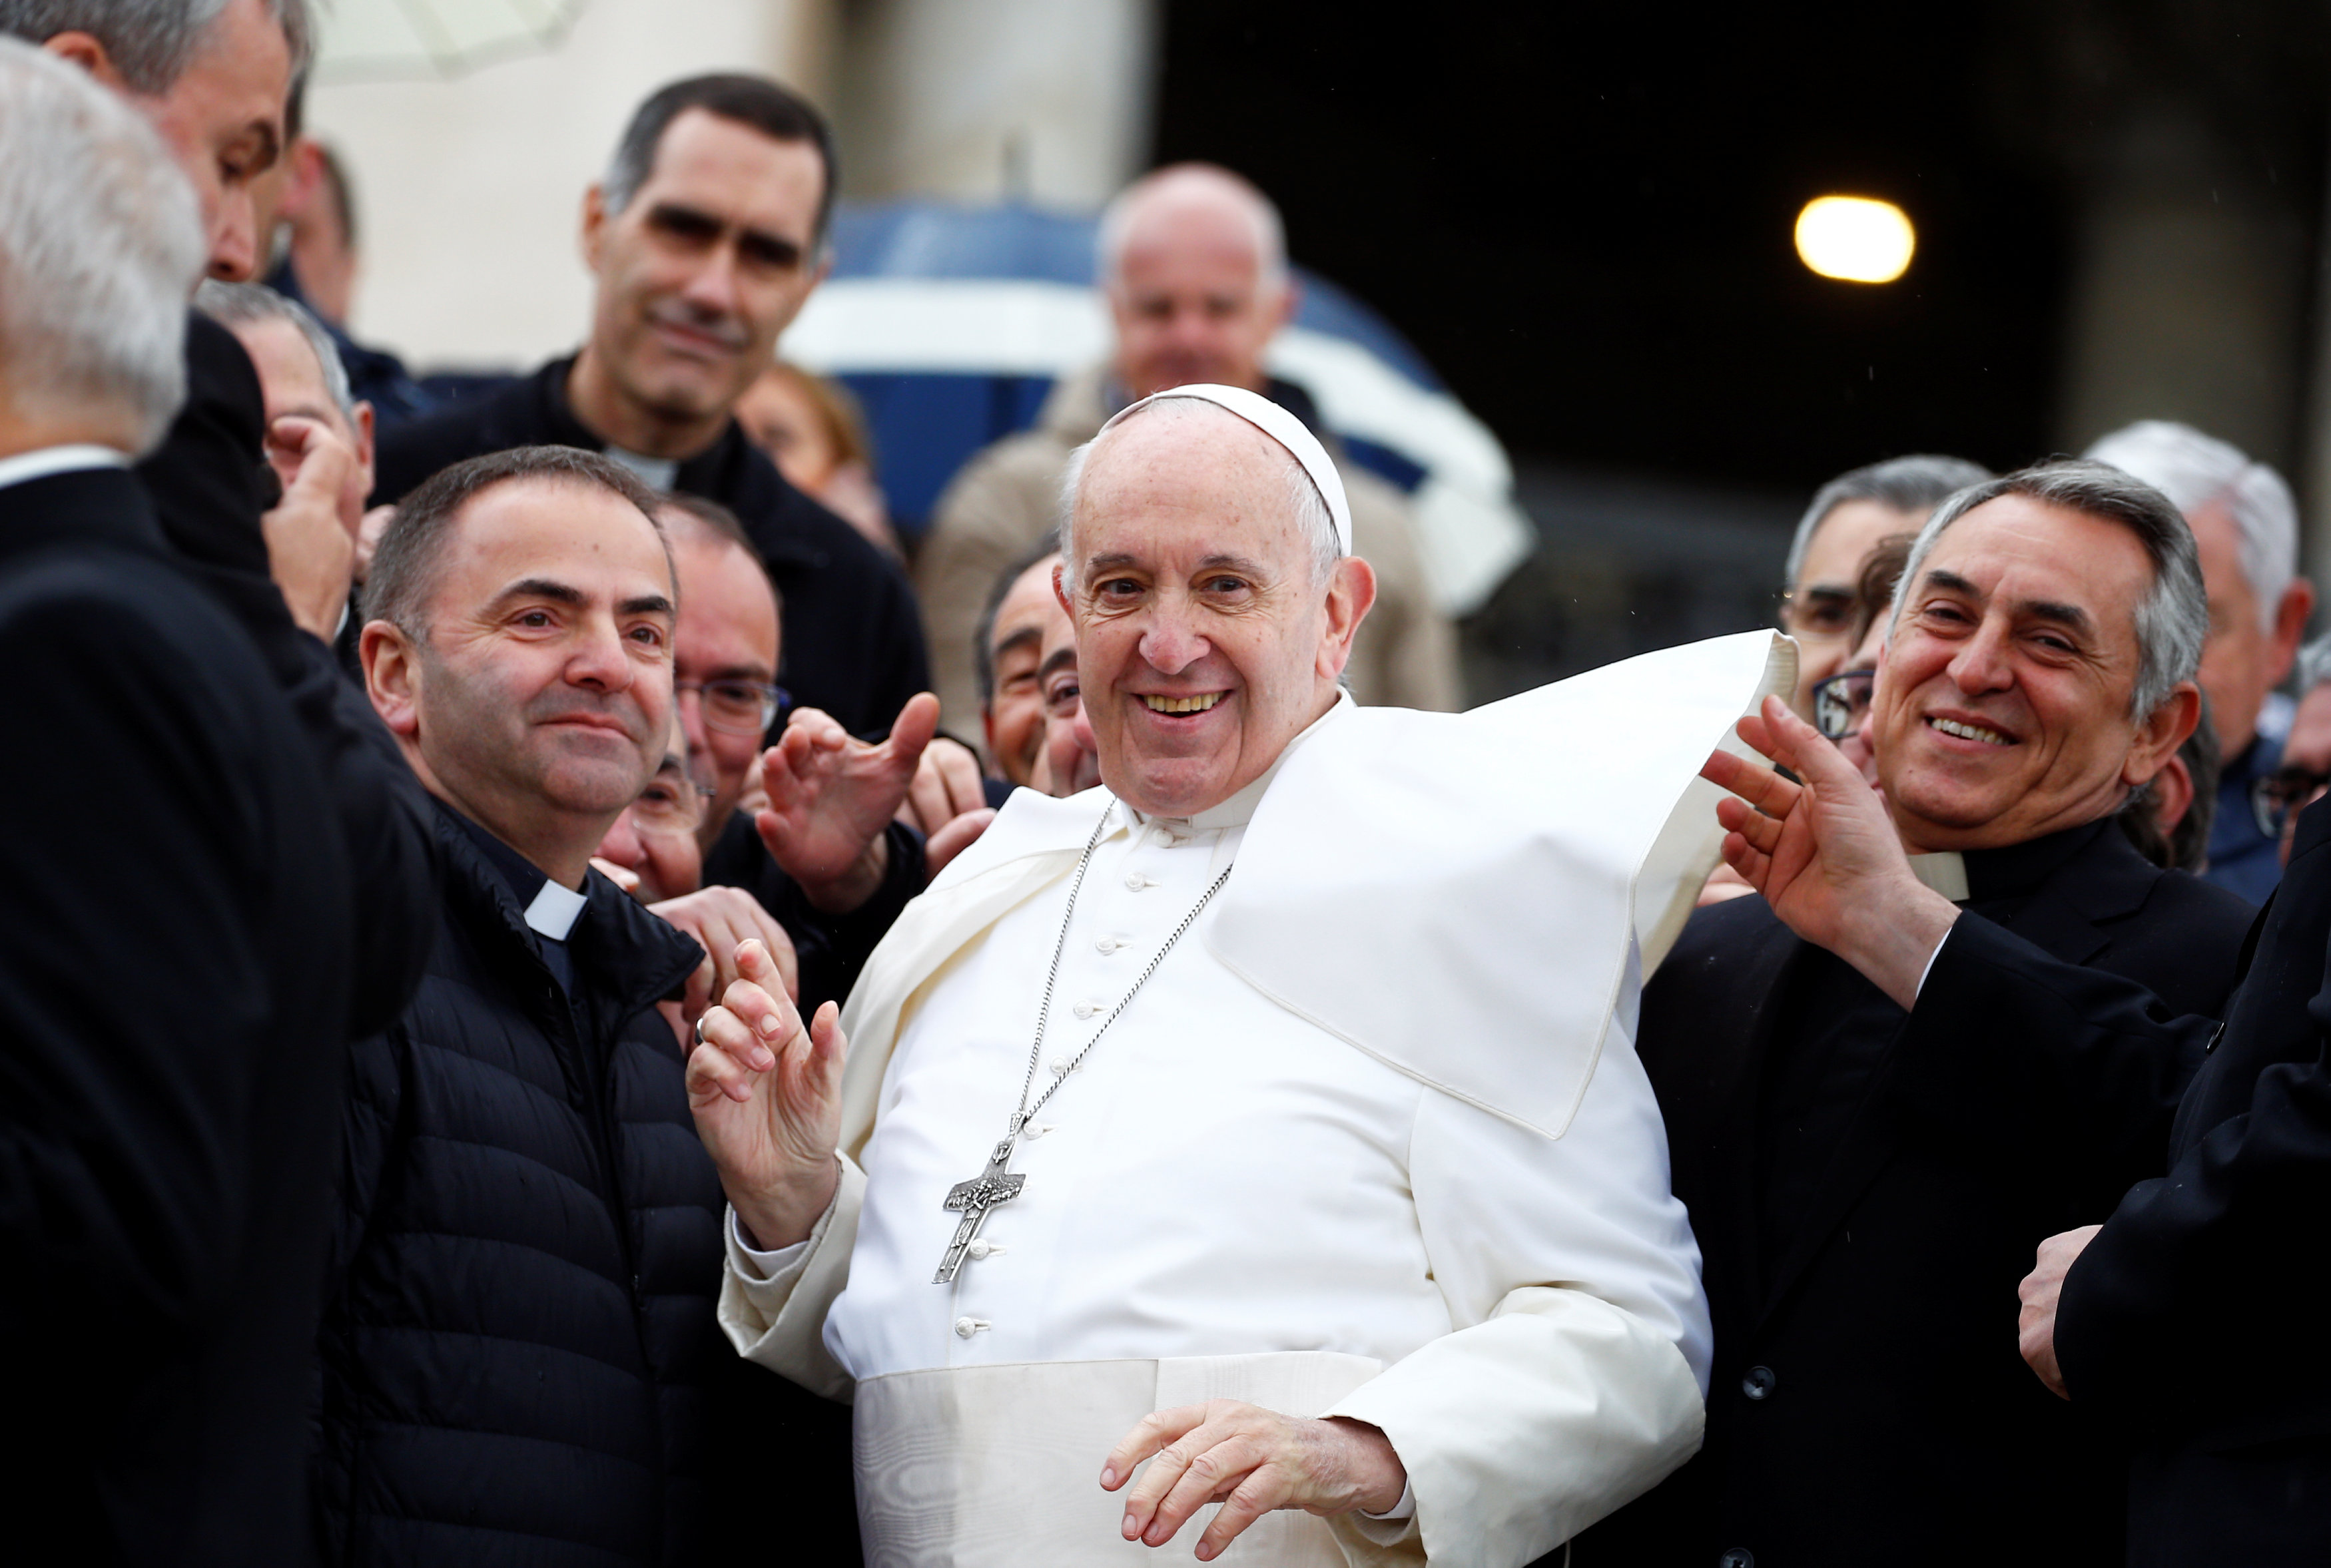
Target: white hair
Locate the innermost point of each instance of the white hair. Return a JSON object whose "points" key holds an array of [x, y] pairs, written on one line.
{"points": [[2196, 472], [1304, 501], [1260, 212], [1913, 485], [233, 305], [100, 243], [150, 41]]}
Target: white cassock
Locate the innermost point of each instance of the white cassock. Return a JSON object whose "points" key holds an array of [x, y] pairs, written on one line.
{"points": [[1372, 1142]]}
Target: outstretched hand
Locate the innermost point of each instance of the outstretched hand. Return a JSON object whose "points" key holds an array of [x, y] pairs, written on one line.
{"points": [[832, 797], [765, 1091], [1825, 852]]}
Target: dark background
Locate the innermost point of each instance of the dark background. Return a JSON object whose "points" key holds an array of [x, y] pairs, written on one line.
{"points": [[1583, 216]]}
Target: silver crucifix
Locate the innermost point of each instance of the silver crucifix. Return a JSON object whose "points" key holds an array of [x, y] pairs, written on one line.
{"points": [[973, 1199]]}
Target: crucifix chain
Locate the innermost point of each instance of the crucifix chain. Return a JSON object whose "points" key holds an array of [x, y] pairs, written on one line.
{"points": [[976, 1198]]}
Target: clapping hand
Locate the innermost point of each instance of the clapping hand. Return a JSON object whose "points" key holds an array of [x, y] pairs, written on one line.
{"points": [[1825, 854], [766, 1090]]}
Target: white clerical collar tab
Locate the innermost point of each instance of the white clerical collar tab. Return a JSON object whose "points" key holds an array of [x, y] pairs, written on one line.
{"points": [[1278, 424], [1944, 872], [554, 910]]}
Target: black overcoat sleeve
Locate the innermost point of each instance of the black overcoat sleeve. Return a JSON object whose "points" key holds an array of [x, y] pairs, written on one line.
{"points": [[209, 487]]}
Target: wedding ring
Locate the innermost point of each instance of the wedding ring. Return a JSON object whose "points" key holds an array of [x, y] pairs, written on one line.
{"points": [[699, 1029]]}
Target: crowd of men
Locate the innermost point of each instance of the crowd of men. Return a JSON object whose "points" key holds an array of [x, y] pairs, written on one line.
{"points": [[433, 1130]]}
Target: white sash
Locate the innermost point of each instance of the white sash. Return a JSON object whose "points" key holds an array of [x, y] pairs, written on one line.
{"points": [[999, 1466]]}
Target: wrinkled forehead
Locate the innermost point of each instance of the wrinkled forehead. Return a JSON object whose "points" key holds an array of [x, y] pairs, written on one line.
{"points": [[1186, 477], [2022, 554]]}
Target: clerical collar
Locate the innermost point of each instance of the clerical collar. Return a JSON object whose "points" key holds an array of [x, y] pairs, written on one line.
{"points": [[1977, 875], [1239, 810], [655, 472], [40, 463], [551, 909]]}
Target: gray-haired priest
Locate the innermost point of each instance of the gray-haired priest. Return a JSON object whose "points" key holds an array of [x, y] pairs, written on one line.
{"points": [[1262, 1129]]}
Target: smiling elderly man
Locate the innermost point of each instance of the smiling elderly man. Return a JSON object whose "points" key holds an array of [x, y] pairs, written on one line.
{"points": [[1866, 1210], [1329, 1182]]}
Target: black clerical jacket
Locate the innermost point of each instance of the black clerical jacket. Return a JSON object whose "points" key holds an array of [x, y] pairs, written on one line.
{"points": [[209, 483], [2193, 1320], [175, 938], [1867, 1198], [853, 637]]}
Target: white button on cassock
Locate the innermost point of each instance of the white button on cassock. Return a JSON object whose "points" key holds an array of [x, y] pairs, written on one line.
{"points": [[1135, 881], [1107, 946], [965, 1328], [1084, 1010]]}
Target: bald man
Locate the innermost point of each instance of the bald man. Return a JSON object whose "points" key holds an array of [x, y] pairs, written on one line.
{"points": [[1194, 262]]}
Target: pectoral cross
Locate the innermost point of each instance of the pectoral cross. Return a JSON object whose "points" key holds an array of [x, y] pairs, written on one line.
{"points": [[974, 1198]]}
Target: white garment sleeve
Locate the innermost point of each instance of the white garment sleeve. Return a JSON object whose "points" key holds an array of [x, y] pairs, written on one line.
{"points": [[1930, 969], [773, 1304], [1575, 1381]]}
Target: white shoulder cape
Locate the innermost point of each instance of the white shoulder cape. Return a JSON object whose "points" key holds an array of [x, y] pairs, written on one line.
{"points": [[1455, 894]]}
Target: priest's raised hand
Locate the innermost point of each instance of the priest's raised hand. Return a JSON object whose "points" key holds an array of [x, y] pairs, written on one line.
{"points": [[1825, 853], [766, 1090], [830, 795]]}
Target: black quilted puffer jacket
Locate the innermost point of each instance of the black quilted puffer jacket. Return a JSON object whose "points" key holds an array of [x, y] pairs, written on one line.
{"points": [[520, 1357]]}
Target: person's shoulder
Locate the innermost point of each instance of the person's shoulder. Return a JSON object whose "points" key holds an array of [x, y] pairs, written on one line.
{"points": [[1019, 470], [1719, 938], [2189, 903], [412, 450]]}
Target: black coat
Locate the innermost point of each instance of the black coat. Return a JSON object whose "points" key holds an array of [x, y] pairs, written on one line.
{"points": [[1867, 1402], [853, 637], [520, 1353], [2192, 1318], [173, 997], [209, 485]]}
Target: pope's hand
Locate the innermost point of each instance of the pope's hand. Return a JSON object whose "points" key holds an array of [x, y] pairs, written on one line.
{"points": [[830, 797], [767, 1095], [1824, 853], [1251, 1461]]}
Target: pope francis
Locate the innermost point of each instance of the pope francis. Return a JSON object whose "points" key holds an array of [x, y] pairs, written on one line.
{"points": [[1257, 1138]]}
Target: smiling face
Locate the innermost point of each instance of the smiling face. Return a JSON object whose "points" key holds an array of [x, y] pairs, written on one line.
{"points": [[1071, 757], [655, 838], [699, 273], [538, 701], [2002, 709], [1191, 296], [729, 634], [1013, 716], [1203, 641]]}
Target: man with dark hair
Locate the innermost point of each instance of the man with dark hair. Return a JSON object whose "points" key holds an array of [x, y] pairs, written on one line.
{"points": [[707, 234], [212, 77], [1020, 617], [519, 1349], [176, 939], [1864, 1204]]}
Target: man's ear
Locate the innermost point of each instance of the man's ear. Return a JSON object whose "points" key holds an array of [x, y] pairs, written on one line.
{"points": [[594, 225], [391, 669], [87, 51], [1060, 588], [2160, 733], [365, 431], [2289, 628], [1351, 593], [1290, 299]]}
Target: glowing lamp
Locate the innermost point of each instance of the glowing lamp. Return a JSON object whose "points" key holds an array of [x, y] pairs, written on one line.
{"points": [[1855, 238]]}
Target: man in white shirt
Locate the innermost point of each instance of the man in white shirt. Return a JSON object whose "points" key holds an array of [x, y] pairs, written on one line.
{"points": [[1331, 1187]]}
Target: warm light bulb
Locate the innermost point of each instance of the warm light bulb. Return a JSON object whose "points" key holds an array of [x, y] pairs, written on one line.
{"points": [[1855, 238]]}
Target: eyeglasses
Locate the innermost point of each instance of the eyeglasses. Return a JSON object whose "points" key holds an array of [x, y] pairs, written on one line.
{"points": [[738, 706], [1840, 701], [2287, 789]]}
